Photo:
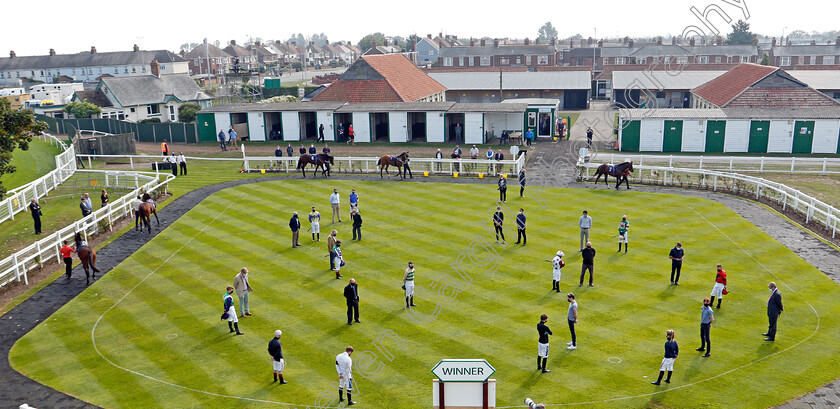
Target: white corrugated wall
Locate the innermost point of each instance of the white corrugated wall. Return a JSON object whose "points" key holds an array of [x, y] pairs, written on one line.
{"points": [[398, 126], [256, 126], [650, 139], [737, 136], [291, 125], [694, 135], [435, 127], [361, 126], [826, 132], [781, 136]]}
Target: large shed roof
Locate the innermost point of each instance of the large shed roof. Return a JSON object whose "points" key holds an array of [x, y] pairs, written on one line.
{"points": [[462, 81]]}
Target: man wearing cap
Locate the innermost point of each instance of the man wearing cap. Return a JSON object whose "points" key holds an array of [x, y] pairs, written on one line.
{"points": [[623, 226], [275, 349], [585, 223], [408, 285], [558, 264], [720, 286], [542, 344]]}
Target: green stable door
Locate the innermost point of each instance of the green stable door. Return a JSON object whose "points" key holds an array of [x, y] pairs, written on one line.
{"points": [[630, 134], [759, 135], [206, 127], [715, 135], [803, 137], [672, 136]]}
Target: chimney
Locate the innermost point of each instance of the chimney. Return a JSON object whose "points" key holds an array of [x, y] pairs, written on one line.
{"points": [[472, 43], [554, 42], [691, 42], [155, 68], [136, 48], [673, 40], [183, 53], [92, 50], [600, 43], [788, 42], [774, 41], [582, 43], [12, 54], [589, 41], [625, 40], [496, 42], [527, 41], [837, 42], [484, 42], [703, 40], [630, 43], [755, 40], [386, 43], [52, 51], [232, 42], [373, 44], [537, 41], [257, 43], [720, 40], [658, 40], [813, 42], [429, 36]]}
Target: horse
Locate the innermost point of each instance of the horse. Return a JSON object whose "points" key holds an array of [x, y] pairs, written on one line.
{"points": [[618, 171], [321, 160], [388, 160], [87, 256], [146, 211]]}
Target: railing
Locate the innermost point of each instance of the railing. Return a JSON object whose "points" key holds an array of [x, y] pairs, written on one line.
{"points": [[788, 199], [17, 200], [17, 266], [769, 164]]}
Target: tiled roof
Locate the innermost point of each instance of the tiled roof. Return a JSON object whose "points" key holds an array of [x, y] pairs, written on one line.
{"points": [[802, 97], [726, 87], [395, 79], [466, 80], [148, 89], [200, 52], [796, 50], [397, 106], [501, 50], [409, 82], [662, 80], [359, 91], [237, 50], [95, 97], [87, 59]]}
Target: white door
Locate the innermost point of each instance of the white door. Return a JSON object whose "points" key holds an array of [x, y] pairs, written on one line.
{"points": [[361, 126], [781, 137], [223, 123], [694, 136], [473, 128], [650, 139], [825, 136], [256, 126], [435, 127], [291, 125], [737, 137], [398, 126]]}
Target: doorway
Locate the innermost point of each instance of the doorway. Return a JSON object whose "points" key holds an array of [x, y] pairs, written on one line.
{"points": [[453, 122], [379, 126], [341, 123], [417, 126], [274, 125], [308, 125], [544, 128]]}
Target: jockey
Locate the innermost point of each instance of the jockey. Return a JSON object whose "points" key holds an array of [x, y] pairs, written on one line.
{"points": [[148, 199]]}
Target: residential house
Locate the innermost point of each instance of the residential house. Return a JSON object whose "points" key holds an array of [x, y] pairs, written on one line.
{"points": [[16, 100], [148, 96], [264, 55], [59, 93], [243, 59], [383, 78], [812, 56], [219, 61], [528, 55], [88, 66], [427, 51]]}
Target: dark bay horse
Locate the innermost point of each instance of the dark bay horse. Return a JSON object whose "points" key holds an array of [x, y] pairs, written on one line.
{"points": [[87, 256], [619, 171], [388, 160], [321, 160], [146, 211]]}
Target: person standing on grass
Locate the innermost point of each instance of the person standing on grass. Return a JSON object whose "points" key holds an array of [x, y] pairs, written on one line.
{"points": [[408, 285], [164, 148], [103, 198], [351, 135], [278, 153], [326, 149], [275, 350], [707, 317], [233, 138], [542, 344], [289, 150], [182, 163], [222, 140], [522, 183], [88, 201], [86, 210], [623, 226], [35, 209], [294, 225], [351, 293], [502, 188], [335, 203], [498, 221], [302, 150], [230, 311], [243, 288], [573, 319], [136, 205], [173, 164], [474, 152], [438, 155], [489, 158], [774, 309], [720, 285], [677, 255], [67, 256], [357, 223], [338, 262], [671, 352], [320, 133], [588, 255], [558, 265], [330, 246], [315, 221], [520, 227], [354, 200], [585, 224], [344, 366]]}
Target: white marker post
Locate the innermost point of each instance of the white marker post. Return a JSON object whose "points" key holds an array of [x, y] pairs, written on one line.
{"points": [[463, 384]]}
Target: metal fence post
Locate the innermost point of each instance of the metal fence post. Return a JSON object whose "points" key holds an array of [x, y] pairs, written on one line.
{"points": [[792, 164]]}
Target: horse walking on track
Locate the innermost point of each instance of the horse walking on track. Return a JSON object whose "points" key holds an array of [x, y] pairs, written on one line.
{"points": [[146, 211], [619, 171], [87, 256], [321, 160], [398, 161]]}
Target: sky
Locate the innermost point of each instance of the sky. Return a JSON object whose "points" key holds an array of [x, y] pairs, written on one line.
{"points": [[71, 27]]}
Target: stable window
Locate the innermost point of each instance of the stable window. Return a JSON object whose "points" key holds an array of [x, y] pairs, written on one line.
{"points": [[660, 94], [729, 59], [784, 61], [717, 60], [447, 62], [485, 61], [504, 61], [619, 60], [813, 60], [519, 60], [471, 60], [704, 60], [828, 60], [745, 58], [682, 60], [527, 60]]}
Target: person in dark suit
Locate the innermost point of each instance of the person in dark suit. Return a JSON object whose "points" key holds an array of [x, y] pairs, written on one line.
{"points": [[676, 255], [302, 150], [320, 133], [36, 215], [357, 223], [289, 150], [498, 221], [86, 210], [774, 308], [294, 224], [520, 227], [522, 182], [502, 188], [351, 293]]}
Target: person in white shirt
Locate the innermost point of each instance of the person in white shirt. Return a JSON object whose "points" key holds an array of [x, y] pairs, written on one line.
{"points": [[438, 155], [344, 366], [473, 152], [335, 202], [173, 164], [136, 205], [88, 201], [182, 162], [585, 224], [558, 264]]}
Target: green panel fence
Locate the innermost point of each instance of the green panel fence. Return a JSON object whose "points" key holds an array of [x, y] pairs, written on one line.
{"points": [[149, 132]]}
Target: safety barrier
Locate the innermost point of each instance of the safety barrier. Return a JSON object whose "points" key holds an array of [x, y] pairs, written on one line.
{"points": [[750, 164]]}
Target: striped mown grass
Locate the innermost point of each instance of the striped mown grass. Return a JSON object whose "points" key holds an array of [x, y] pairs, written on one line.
{"points": [[159, 341]]}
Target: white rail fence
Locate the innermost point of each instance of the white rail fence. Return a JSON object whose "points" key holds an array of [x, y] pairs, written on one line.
{"points": [[17, 200], [17, 266], [768, 164], [788, 199]]}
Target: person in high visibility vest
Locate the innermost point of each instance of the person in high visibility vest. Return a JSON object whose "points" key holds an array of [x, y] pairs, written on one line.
{"points": [[164, 148]]}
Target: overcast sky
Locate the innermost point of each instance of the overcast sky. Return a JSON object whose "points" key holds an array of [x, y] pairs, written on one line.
{"points": [[69, 27]]}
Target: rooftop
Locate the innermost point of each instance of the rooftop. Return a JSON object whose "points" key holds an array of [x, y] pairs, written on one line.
{"points": [[148, 89], [462, 81], [723, 89], [655, 80], [88, 59]]}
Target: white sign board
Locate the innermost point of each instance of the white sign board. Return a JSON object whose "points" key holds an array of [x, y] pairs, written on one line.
{"points": [[463, 370]]}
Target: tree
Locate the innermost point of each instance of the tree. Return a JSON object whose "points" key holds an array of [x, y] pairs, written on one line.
{"points": [[547, 32], [367, 41], [16, 130], [187, 112], [765, 59], [82, 109], [740, 34]]}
